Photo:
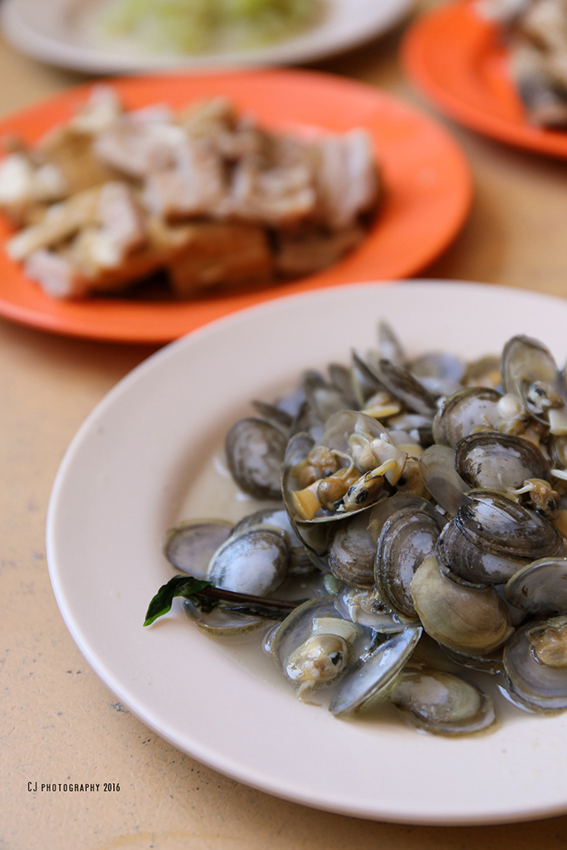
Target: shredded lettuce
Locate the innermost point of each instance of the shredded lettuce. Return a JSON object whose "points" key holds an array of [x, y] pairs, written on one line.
{"points": [[200, 26]]}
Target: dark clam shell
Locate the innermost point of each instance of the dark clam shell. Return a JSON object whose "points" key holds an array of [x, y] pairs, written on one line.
{"points": [[190, 545], [492, 460], [492, 537], [403, 386], [437, 468], [255, 450], [467, 563], [463, 411], [504, 527], [533, 681], [352, 552], [540, 588], [406, 540]]}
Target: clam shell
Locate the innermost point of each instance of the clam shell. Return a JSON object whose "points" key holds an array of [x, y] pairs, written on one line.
{"points": [[372, 676], [407, 539], [466, 619], [540, 588], [442, 703], [437, 468], [255, 451], [352, 552], [463, 411], [498, 461], [532, 682], [254, 562], [190, 545]]}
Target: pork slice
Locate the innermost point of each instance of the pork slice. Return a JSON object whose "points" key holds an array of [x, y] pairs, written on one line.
{"points": [[194, 186], [100, 111], [121, 218], [61, 222], [138, 148], [57, 275], [71, 151], [347, 178], [273, 195], [311, 251], [220, 254]]}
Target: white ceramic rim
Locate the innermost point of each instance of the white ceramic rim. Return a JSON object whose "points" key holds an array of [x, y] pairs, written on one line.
{"points": [[39, 33], [119, 487]]}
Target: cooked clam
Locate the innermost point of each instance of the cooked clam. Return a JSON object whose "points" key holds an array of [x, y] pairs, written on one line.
{"points": [[448, 488], [540, 588], [255, 451], [407, 538], [442, 703], [190, 545], [464, 412], [438, 535], [254, 562], [468, 620], [499, 461], [352, 552], [535, 662], [492, 537], [370, 677]]}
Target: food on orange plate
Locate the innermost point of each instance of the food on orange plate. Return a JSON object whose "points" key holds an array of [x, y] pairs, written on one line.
{"points": [[536, 34], [205, 194]]}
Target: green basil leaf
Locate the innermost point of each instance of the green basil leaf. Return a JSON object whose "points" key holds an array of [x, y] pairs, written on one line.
{"points": [[185, 586]]}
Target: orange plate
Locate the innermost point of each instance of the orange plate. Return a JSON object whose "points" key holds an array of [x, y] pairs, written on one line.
{"points": [[458, 60], [427, 178]]}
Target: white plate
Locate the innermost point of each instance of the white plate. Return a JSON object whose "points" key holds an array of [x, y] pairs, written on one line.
{"points": [[141, 456], [59, 32]]}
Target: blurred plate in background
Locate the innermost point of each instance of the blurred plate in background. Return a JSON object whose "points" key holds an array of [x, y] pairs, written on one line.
{"points": [[458, 60], [61, 32]]}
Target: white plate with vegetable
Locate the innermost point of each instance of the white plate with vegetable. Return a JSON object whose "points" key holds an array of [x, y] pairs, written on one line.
{"points": [[141, 35], [145, 459]]}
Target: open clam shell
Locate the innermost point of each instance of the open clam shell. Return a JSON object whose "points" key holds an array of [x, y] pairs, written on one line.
{"points": [[398, 381], [254, 562], [190, 545], [469, 620], [464, 411], [437, 468], [407, 538], [338, 429], [255, 450], [499, 461], [221, 622], [442, 703], [371, 677], [535, 663], [540, 588], [524, 361]]}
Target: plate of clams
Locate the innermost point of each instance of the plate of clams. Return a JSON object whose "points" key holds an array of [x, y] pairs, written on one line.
{"points": [[341, 518]]}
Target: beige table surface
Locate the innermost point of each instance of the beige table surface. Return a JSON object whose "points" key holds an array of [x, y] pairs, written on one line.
{"points": [[59, 722]]}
